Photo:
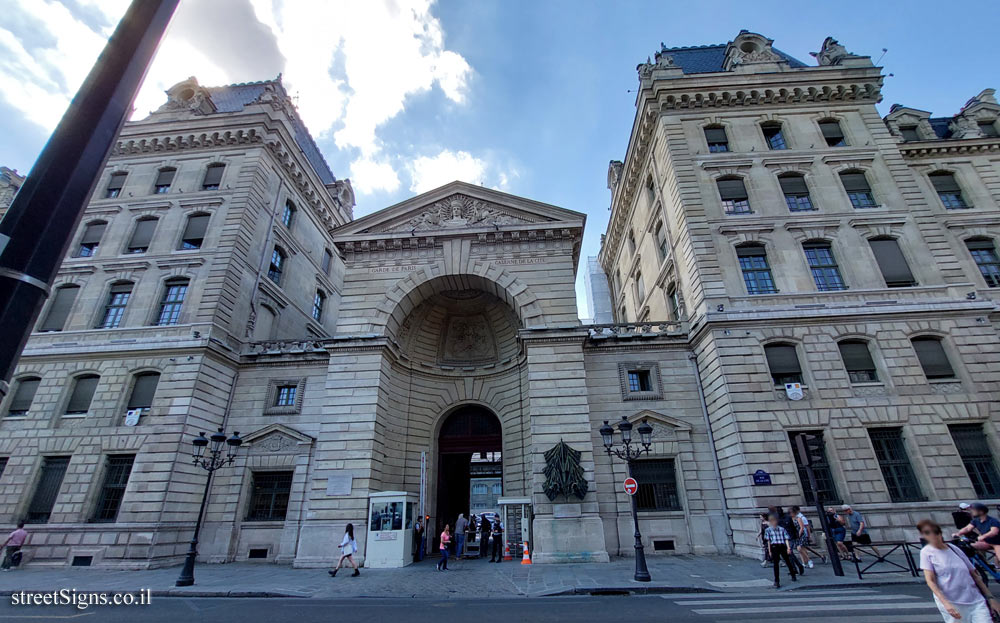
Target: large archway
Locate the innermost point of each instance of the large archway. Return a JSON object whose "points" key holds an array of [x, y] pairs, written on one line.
{"points": [[470, 464]]}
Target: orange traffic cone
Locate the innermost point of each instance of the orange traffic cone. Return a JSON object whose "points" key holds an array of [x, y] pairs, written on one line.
{"points": [[525, 558], [506, 552]]}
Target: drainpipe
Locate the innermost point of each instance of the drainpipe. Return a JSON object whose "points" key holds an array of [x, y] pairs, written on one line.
{"points": [[693, 358]]}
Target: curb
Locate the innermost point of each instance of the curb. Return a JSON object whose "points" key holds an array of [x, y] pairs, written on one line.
{"points": [[611, 591], [181, 593]]}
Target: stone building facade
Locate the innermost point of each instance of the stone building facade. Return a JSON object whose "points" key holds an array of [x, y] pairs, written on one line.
{"points": [[10, 183], [804, 239]]}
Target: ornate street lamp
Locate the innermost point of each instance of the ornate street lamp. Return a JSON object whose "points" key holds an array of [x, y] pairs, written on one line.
{"points": [[213, 461], [629, 452]]}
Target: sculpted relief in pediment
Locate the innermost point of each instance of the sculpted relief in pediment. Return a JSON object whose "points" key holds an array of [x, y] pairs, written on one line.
{"points": [[457, 211]]}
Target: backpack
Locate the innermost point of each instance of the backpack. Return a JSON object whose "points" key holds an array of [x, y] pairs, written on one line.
{"points": [[788, 524]]}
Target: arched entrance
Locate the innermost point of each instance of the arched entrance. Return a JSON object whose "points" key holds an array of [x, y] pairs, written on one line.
{"points": [[470, 468]]}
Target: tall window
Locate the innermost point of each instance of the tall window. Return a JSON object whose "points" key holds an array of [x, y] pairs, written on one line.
{"points": [[933, 359], [142, 235], [989, 129], [194, 231], [115, 184], [285, 395], [24, 395], [823, 266], [773, 135], [756, 271], [895, 463], [117, 469], [716, 137], [277, 265], [832, 134], [909, 133], [858, 361], [47, 490], [143, 390], [673, 299], [631, 242], [662, 247], [174, 291], [288, 215], [269, 493], [973, 447], [984, 253], [640, 289], [114, 309], [793, 187], [164, 178], [734, 196], [783, 363], [825, 484], [213, 176], [327, 261], [891, 262], [82, 394], [858, 190], [319, 300], [948, 190], [640, 381], [91, 238], [657, 485], [60, 307]]}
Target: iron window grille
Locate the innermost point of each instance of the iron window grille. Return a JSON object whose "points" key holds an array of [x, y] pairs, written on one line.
{"points": [[657, 485], [984, 254], [894, 462], [47, 489], [973, 447], [823, 267], [269, 492], [756, 271], [822, 471], [172, 302], [117, 469]]}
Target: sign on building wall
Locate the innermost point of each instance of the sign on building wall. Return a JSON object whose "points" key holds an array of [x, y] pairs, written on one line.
{"points": [[339, 484]]}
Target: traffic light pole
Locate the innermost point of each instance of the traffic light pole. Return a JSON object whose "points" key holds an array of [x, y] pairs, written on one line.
{"points": [[831, 548], [39, 225]]}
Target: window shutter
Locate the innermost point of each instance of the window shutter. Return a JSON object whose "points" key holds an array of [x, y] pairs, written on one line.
{"points": [[891, 262], [855, 182], [782, 359], [732, 190], [196, 227], [716, 135], [750, 250], [793, 185], [831, 129], [945, 183], [213, 175], [143, 391], [93, 233], [980, 244], [932, 358], [59, 310], [24, 395], [165, 177], [856, 356], [117, 181], [143, 233], [83, 393]]}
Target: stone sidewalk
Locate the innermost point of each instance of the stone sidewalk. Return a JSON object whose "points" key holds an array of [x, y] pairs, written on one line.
{"points": [[465, 579]]}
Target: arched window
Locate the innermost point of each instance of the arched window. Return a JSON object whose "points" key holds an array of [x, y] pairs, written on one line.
{"points": [[143, 390], [174, 291], [213, 176], [277, 265], [832, 133], [142, 235], [858, 191], [288, 215], [773, 135], [733, 194], [319, 300], [114, 307], [756, 271], [115, 184], [164, 178], [984, 254], [91, 238], [23, 396], [715, 136], [891, 262], [933, 359], [783, 363], [60, 307], [858, 361], [793, 187], [194, 231], [948, 190], [82, 394], [823, 265]]}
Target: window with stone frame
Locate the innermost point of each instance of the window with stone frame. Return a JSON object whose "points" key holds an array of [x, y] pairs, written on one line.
{"points": [[174, 292], [213, 176], [948, 190], [327, 261], [288, 214], [989, 128], [715, 136], [115, 184], [115, 305], [973, 446], [783, 363], [91, 238], [194, 231], [891, 262], [143, 390], [640, 289], [164, 179], [117, 469], [277, 266], [319, 302], [59, 308], [47, 489], [631, 242], [909, 133], [984, 254], [796, 193], [662, 246], [832, 133], [674, 302], [82, 394], [858, 191], [269, 493], [755, 268], [142, 235], [640, 380], [823, 266], [23, 395], [733, 194], [858, 362], [894, 461], [822, 471], [773, 135], [658, 489], [284, 396], [933, 358]]}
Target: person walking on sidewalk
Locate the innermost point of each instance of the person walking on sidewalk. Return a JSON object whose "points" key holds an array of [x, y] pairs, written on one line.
{"points": [[461, 526], [805, 533], [763, 544], [838, 532], [787, 522], [779, 543], [348, 547], [418, 541], [13, 546], [497, 533], [959, 591], [445, 541]]}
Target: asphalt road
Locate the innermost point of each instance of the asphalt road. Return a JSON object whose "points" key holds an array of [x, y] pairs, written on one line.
{"points": [[891, 604]]}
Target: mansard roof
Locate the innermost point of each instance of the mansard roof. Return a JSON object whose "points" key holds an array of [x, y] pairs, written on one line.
{"points": [[710, 58]]}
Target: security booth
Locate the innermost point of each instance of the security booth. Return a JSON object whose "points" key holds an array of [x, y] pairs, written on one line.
{"points": [[515, 513], [390, 529]]}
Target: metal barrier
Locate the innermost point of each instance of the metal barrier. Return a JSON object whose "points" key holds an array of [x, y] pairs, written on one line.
{"points": [[881, 558]]}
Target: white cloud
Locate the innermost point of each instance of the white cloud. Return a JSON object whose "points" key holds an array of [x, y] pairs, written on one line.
{"points": [[429, 172], [368, 176]]}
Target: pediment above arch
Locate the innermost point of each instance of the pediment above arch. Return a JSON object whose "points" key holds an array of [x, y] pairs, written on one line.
{"points": [[277, 438], [665, 427]]}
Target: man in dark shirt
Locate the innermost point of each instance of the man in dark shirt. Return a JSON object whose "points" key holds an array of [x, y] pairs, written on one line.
{"points": [[962, 516], [987, 527]]}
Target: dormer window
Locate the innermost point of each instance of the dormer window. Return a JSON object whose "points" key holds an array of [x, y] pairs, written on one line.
{"points": [[832, 134], [909, 133], [716, 137], [989, 128]]}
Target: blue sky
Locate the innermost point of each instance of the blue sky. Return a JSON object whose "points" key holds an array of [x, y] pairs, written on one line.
{"points": [[529, 97]]}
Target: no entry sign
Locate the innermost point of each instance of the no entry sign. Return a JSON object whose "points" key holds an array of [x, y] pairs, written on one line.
{"points": [[630, 486]]}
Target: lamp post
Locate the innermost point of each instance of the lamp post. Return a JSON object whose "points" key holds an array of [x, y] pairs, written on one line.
{"points": [[210, 462], [629, 452]]}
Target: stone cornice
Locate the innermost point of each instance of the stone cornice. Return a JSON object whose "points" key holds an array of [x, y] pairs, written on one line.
{"points": [[950, 147]]}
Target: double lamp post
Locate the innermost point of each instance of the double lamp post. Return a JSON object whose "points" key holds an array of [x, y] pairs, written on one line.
{"points": [[629, 452]]}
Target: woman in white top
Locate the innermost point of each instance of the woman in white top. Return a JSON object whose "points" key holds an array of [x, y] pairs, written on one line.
{"points": [[805, 534], [348, 547], [959, 591]]}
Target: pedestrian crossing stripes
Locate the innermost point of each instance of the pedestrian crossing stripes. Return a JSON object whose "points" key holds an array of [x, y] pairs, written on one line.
{"points": [[819, 606]]}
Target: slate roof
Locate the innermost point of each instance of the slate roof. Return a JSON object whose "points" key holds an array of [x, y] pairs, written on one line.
{"points": [[233, 97], [708, 58]]}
